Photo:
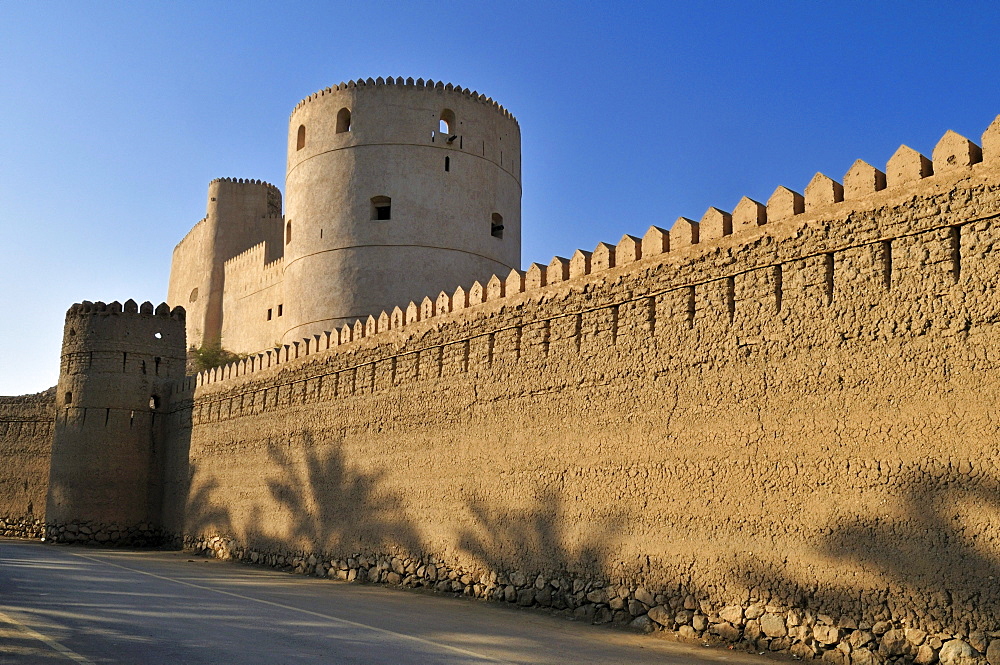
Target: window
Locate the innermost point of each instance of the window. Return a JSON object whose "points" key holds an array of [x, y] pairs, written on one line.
{"points": [[447, 163], [268, 314], [343, 120], [194, 295], [300, 141], [280, 309], [447, 123], [288, 232], [154, 402], [69, 398], [496, 225], [381, 207]]}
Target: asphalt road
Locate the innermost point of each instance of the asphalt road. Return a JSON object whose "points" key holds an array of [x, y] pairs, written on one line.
{"points": [[62, 604]]}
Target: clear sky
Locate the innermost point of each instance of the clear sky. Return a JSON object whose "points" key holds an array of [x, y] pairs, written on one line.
{"points": [[114, 116]]}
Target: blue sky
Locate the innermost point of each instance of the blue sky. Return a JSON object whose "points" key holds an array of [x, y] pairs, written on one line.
{"points": [[114, 116]]}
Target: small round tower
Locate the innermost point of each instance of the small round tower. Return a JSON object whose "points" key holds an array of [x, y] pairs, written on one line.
{"points": [[117, 366], [395, 190]]}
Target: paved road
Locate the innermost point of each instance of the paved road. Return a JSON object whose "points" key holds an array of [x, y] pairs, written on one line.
{"points": [[61, 605]]}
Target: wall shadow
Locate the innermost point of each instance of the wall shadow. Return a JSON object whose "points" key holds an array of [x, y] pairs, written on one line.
{"points": [[932, 559]]}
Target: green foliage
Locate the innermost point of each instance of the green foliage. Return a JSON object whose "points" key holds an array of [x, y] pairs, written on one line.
{"points": [[208, 356]]}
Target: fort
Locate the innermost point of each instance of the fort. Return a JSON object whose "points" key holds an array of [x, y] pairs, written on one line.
{"points": [[775, 426]]}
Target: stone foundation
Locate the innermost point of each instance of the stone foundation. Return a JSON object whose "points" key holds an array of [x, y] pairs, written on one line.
{"points": [[21, 527], [105, 535], [756, 625]]}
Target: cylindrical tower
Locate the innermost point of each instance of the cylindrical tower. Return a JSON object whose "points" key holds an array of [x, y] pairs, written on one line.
{"points": [[240, 214], [117, 366], [395, 190]]}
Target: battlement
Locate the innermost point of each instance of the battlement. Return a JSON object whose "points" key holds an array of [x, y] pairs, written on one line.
{"points": [[429, 84], [244, 181], [87, 308], [827, 213]]}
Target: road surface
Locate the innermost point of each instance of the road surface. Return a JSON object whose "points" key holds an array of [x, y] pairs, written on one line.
{"points": [[61, 604]]}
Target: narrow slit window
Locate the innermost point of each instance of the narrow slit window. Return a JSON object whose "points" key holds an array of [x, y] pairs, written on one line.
{"points": [[268, 314], [300, 140], [288, 232], [281, 310], [496, 225], [381, 208], [343, 120], [447, 163]]}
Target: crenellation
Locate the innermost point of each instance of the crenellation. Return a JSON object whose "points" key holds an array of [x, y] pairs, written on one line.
{"points": [[822, 191], [954, 151], [655, 241], [748, 214], [861, 180], [579, 264], [684, 233], [557, 270], [907, 165], [494, 289], [714, 224], [784, 203], [628, 250], [535, 277], [513, 284]]}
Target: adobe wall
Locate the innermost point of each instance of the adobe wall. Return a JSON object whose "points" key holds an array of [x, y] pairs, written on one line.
{"points": [[787, 434], [253, 306], [26, 426]]}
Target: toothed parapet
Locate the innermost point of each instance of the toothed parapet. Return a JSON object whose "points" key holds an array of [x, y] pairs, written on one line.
{"points": [[429, 85]]}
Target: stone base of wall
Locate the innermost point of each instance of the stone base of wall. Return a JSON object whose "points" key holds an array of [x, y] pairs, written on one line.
{"points": [[21, 527], [757, 626], [106, 535]]}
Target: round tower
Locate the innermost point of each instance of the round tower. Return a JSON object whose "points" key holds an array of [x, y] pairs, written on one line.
{"points": [[117, 367], [395, 190]]}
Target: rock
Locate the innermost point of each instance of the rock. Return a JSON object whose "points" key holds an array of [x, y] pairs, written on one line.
{"points": [[893, 643], [773, 625], [510, 593], [727, 631], [690, 603], [646, 625], [603, 615], [525, 597], [683, 617], [957, 652], [802, 651], [687, 633], [752, 629], [543, 596], [518, 579], [636, 608], [755, 611], [644, 596], [540, 582], [915, 636], [826, 634], [978, 641], [993, 653], [864, 657], [779, 644], [699, 622], [390, 578], [732, 613], [660, 615], [598, 596], [925, 655], [860, 638], [431, 573], [617, 603], [881, 627], [585, 612]]}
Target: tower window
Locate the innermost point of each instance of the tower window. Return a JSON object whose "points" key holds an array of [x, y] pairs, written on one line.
{"points": [[280, 309], [288, 232], [343, 120], [496, 225], [154, 402], [300, 141], [269, 314], [447, 122], [69, 398], [381, 207], [447, 163]]}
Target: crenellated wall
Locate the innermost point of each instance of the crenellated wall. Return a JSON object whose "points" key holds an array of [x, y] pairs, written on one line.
{"points": [[26, 426], [775, 425]]}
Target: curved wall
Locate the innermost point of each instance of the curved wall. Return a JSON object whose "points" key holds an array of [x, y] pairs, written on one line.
{"points": [[340, 263]]}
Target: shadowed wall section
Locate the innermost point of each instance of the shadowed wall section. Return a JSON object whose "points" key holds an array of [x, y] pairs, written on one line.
{"points": [[799, 423], [26, 425]]}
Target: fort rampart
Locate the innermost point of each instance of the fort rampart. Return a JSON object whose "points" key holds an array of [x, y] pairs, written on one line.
{"points": [[783, 429], [26, 427], [776, 425]]}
